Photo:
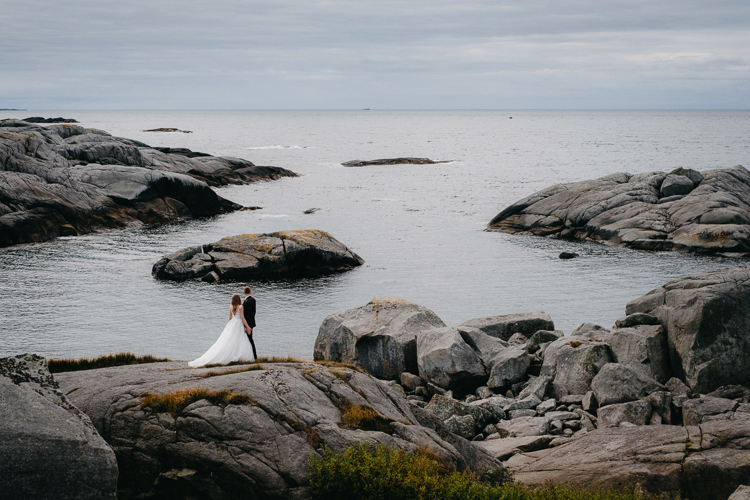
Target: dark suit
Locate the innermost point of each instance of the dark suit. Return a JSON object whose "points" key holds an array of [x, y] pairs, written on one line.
{"points": [[248, 310]]}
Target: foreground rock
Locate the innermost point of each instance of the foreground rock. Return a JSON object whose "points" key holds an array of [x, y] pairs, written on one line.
{"points": [[48, 448], [258, 449], [65, 180], [683, 210], [381, 336], [286, 253], [706, 318], [707, 462], [392, 161]]}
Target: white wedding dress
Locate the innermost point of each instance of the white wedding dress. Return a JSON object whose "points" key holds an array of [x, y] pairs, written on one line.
{"points": [[232, 345]]}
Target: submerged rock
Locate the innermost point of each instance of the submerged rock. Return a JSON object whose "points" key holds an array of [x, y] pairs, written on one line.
{"points": [[392, 161], [300, 252], [48, 448], [683, 210]]}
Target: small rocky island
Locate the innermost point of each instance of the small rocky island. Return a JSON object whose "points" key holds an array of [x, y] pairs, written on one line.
{"points": [[66, 180], [301, 252], [392, 161], [683, 210]]}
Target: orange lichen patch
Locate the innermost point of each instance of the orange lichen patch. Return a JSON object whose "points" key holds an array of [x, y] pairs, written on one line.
{"points": [[575, 343]]}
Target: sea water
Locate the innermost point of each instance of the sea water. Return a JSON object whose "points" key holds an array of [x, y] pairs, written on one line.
{"points": [[419, 228]]}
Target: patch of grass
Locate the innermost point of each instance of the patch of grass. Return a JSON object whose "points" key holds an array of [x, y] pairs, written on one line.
{"points": [[250, 368], [280, 360], [74, 389], [340, 374], [363, 417], [336, 364], [175, 402], [378, 473], [120, 359]]}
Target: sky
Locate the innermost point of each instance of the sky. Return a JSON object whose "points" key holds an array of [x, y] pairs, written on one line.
{"points": [[418, 54]]}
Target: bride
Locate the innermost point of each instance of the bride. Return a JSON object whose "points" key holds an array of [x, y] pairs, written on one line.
{"points": [[232, 345]]}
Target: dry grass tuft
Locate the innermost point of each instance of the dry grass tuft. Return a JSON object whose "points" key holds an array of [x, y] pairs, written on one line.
{"points": [[120, 359], [365, 418], [250, 368], [336, 364], [175, 402], [275, 359], [340, 374]]}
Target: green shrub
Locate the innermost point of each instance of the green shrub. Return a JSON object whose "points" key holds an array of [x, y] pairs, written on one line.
{"points": [[175, 402], [121, 359], [381, 473]]}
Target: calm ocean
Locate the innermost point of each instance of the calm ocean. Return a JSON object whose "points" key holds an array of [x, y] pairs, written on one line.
{"points": [[418, 227]]}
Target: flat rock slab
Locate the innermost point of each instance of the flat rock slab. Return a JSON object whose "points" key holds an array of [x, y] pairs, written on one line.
{"points": [[259, 449], [392, 161], [301, 252], [504, 448], [48, 448], [661, 458], [683, 210]]}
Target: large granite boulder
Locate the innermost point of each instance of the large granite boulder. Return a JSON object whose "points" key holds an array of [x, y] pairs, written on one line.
{"points": [[48, 448], [617, 383], [707, 320], [682, 210], [701, 463], [446, 360], [633, 412], [573, 362], [285, 253], [508, 367], [254, 443], [381, 336], [65, 180], [642, 348], [505, 326]]}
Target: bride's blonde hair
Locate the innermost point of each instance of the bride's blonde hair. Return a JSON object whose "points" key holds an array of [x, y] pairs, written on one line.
{"points": [[236, 302]]}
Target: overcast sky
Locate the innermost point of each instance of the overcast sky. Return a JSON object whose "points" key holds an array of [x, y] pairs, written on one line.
{"points": [[292, 54]]}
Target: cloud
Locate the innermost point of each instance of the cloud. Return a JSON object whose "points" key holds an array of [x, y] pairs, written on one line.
{"points": [[308, 54]]}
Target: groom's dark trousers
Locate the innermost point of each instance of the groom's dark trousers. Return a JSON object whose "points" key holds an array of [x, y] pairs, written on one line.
{"points": [[248, 308]]}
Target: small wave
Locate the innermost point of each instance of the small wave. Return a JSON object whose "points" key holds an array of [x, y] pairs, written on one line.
{"points": [[278, 146]]}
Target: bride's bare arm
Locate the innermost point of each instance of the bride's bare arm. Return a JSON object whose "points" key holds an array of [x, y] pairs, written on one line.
{"points": [[244, 321]]}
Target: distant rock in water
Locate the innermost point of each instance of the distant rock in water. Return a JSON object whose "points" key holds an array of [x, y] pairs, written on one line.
{"points": [[683, 210], [392, 161], [568, 255], [164, 129], [65, 180], [39, 119], [301, 252]]}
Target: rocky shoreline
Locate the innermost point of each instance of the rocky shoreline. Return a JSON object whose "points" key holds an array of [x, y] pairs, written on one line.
{"points": [[683, 210], [66, 180]]}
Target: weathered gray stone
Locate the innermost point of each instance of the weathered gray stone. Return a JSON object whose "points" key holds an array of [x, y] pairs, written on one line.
{"points": [[695, 411], [529, 402], [537, 388], [381, 337], [680, 392], [521, 413], [505, 326], [661, 402], [542, 338], [518, 339], [635, 320], [444, 408], [712, 218], [707, 317], [410, 381], [299, 252], [616, 383], [591, 331], [642, 348], [508, 366], [484, 392], [48, 448], [446, 360], [262, 448], [741, 493], [573, 363], [494, 405], [525, 426], [502, 449], [634, 412], [739, 393], [589, 402], [545, 406], [461, 425]]}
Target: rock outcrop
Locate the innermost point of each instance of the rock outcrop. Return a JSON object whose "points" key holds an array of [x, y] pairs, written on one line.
{"points": [[381, 336], [48, 448], [707, 320], [256, 443], [303, 252], [65, 180], [683, 210], [392, 161]]}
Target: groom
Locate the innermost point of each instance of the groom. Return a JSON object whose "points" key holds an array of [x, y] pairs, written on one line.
{"points": [[248, 316]]}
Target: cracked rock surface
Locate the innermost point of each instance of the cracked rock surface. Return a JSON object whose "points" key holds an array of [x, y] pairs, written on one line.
{"points": [[66, 180], [285, 253], [254, 450], [683, 210], [48, 448]]}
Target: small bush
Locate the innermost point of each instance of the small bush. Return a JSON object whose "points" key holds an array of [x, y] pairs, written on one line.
{"points": [[363, 417], [250, 368], [121, 359], [175, 402], [381, 473]]}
